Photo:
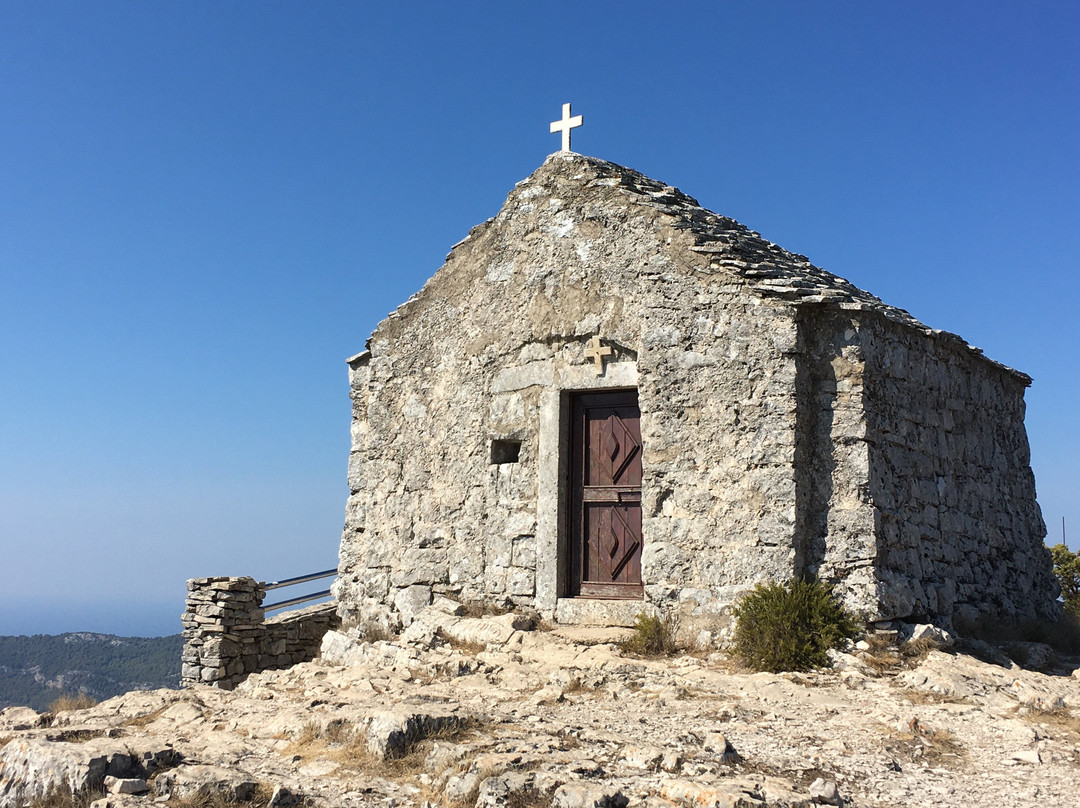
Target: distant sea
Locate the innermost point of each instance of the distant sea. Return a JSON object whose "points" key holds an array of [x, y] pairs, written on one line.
{"points": [[124, 618]]}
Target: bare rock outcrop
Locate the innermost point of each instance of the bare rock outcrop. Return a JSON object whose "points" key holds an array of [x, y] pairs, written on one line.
{"points": [[482, 712]]}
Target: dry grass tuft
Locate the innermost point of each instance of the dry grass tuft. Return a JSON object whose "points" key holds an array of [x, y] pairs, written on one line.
{"points": [[477, 608], [653, 637], [1058, 717], [218, 799], [932, 747], [575, 685], [470, 648], [412, 762], [149, 718], [374, 632], [77, 735], [470, 798], [568, 741], [930, 697], [67, 702], [310, 742], [64, 797], [882, 656], [348, 746], [531, 798], [915, 651], [366, 630]]}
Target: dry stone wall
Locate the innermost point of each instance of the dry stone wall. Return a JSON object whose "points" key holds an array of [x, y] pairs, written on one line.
{"points": [[959, 529], [226, 637], [835, 513]]}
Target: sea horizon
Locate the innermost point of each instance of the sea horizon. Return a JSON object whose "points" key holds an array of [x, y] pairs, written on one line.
{"points": [[123, 618]]}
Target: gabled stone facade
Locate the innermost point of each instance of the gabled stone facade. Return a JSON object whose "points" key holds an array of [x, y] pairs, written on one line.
{"points": [[790, 423]]}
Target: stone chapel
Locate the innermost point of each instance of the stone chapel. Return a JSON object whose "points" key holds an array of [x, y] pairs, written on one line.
{"points": [[611, 400]]}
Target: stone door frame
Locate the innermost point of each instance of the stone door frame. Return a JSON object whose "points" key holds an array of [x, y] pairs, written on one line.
{"points": [[552, 539]]}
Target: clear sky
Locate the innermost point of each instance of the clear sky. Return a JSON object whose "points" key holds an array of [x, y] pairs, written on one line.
{"points": [[205, 207]]}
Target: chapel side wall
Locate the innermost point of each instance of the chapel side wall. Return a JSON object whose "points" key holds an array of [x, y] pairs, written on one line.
{"points": [[960, 532], [836, 517]]}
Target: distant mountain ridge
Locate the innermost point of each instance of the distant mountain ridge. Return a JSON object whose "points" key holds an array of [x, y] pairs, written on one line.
{"points": [[35, 670]]}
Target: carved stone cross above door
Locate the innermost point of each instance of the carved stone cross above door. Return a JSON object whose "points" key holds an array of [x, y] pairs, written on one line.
{"points": [[597, 352]]}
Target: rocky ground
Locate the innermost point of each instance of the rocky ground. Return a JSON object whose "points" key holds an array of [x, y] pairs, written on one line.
{"points": [[483, 711]]}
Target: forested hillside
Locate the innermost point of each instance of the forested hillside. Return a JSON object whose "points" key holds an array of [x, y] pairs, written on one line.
{"points": [[36, 670]]}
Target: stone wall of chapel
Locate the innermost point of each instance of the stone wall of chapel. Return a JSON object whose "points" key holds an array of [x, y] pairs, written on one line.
{"points": [[717, 370], [835, 514], [470, 360], [959, 530]]}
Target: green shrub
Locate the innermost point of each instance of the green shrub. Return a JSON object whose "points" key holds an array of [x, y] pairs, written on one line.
{"points": [[790, 627], [1067, 569], [653, 636]]}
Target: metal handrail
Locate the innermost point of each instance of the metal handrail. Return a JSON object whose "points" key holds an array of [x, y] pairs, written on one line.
{"points": [[300, 579]]}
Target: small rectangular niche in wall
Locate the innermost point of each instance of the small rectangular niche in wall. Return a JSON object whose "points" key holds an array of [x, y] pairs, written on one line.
{"points": [[505, 451]]}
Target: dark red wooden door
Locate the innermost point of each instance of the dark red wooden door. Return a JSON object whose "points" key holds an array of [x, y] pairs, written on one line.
{"points": [[605, 497]]}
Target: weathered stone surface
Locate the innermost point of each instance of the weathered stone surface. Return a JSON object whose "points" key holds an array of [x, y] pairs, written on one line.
{"points": [[119, 801], [791, 423], [713, 795], [282, 797], [822, 790], [720, 746], [125, 785], [16, 718], [923, 631], [206, 781], [391, 733], [647, 757], [498, 791], [1027, 756], [489, 740], [31, 767], [1032, 655], [588, 795]]}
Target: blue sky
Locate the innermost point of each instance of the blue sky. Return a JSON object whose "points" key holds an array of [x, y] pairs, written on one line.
{"points": [[206, 207]]}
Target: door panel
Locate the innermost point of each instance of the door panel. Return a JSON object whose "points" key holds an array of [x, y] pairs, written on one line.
{"points": [[605, 517]]}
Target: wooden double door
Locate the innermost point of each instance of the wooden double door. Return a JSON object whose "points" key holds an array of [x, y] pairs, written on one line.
{"points": [[605, 496]]}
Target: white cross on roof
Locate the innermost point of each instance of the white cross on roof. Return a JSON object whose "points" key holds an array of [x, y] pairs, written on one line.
{"points": [[565, 125]]}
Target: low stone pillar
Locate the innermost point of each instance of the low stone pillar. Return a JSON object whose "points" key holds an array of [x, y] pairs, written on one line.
{"points": [[223, 631], [226, 636]]}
